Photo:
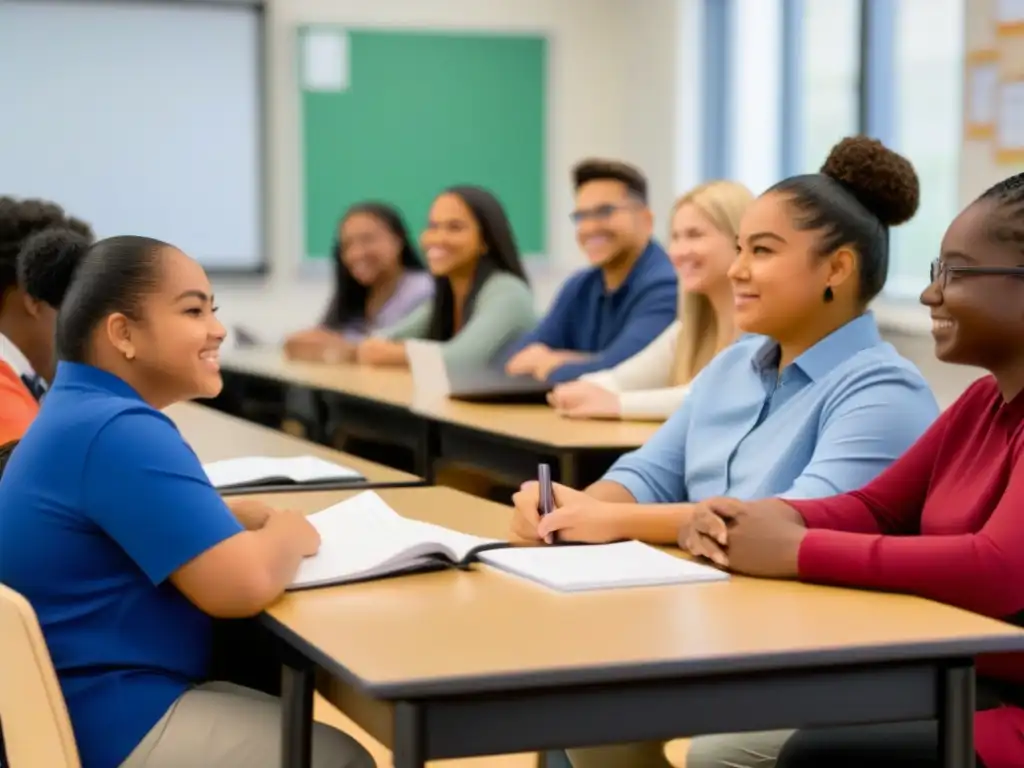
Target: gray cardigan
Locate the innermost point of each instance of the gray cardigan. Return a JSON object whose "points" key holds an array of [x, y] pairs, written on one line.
{"points": [[503, 311]]}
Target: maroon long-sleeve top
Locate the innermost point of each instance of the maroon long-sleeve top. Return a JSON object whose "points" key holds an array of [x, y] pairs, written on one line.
{"points": [[945, 522]]}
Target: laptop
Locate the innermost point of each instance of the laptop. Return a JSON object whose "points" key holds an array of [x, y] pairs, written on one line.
{"points": [[430, 374]]}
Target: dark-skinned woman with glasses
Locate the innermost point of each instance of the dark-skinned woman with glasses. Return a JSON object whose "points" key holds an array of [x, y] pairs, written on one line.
{"points": [[943, 522]]}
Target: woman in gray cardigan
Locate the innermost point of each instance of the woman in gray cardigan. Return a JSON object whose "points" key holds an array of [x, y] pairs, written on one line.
{"points": [[482, 298]]}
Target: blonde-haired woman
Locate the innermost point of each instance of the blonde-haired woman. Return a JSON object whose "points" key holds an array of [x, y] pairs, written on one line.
{"points": [[652, 384]]}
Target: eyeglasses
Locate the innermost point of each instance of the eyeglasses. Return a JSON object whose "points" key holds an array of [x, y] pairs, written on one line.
{"points": [[600, 213], [940, 271]]}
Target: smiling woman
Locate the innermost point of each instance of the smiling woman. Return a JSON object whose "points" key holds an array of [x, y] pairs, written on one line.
{"points": [[155, 328], [378, 280], [975, 287], [814, 249], [943, 523], [131, 519], [810, 403], [481, 296]]}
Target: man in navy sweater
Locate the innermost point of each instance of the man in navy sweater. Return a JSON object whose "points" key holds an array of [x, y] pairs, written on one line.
{"points": [[610, 311]]}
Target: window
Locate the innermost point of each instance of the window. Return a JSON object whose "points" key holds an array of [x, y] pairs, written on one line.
{"points": [[821, 51], [927, 60]]}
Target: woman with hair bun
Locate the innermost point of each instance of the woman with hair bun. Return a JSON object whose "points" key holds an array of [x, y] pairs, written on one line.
{"points": [[943, 523], [112, 531], [809, 403]]}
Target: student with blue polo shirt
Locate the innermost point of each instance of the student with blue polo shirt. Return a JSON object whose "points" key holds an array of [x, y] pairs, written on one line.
{"points": [[111, 530], [608, 313], [813, 405]]}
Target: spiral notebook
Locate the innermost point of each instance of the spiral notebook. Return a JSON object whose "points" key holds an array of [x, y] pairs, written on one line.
{"points": [[364, 538], [257, 472]]}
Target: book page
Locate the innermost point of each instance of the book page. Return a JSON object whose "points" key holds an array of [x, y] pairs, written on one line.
{"points": [[599, 566], [363, 537], [454, 544], [253, 469]]}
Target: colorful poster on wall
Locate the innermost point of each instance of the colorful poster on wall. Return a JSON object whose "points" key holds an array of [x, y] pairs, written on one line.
{"points": [[994, 85], [981, 94], [1009, 136]]}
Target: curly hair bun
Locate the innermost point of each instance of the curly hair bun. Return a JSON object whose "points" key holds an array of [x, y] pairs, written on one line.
{"points": [[882, 180]]}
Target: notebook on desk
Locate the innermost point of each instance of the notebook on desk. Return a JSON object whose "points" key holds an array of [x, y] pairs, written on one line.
{"points": [[430, 375], [260, 471], [363, 538]]}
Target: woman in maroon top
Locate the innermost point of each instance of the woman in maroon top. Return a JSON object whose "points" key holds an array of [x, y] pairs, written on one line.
{"points": [[943, 522]]}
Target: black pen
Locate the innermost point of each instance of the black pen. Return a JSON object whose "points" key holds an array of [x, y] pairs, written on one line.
{"points": [[546, 503]]}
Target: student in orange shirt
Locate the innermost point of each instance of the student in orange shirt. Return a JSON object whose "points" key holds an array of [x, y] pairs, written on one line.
{"points": [[29, 299]]}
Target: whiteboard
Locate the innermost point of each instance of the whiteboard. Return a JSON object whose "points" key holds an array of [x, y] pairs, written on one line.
{"points": [[140, 117]]}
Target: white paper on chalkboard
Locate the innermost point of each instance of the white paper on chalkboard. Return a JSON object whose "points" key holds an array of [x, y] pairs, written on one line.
{"points": [[325, 61]]}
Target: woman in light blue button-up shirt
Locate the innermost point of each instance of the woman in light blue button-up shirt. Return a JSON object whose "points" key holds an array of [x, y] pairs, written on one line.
{"points": [[810, 401]]}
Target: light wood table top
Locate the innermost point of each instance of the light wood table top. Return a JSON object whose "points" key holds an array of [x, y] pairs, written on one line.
{"points": [[388, 385], [214, 435], [456, 632], [537, 424], [534, 423]]}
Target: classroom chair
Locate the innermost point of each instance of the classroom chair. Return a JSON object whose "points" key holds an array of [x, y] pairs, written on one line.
{"points": [[36, 726], [325, 712], [675, 752]]}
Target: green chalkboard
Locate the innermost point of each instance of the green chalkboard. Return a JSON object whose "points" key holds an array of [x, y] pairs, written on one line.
{"points": [[420, 111]]}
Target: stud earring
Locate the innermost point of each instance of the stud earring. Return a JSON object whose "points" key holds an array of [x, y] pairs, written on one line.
{"points": [[129, 355], [828, 294]]}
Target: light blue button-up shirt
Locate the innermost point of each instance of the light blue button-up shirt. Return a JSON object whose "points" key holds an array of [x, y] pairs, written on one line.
{"points": [[835, 418]]}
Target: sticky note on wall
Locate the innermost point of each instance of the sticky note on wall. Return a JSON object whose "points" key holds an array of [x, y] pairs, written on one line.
{"points": [[325, 60]]}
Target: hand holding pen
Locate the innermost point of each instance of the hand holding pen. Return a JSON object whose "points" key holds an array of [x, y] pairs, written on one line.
{"points": [[533, 501], [546, 502], [550, 513]]}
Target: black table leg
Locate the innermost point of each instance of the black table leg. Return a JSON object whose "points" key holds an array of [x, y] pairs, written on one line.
{"points": [[956, 716], [409, 747], [568, 470], [320, 432], [426, 451], [296, 716]]}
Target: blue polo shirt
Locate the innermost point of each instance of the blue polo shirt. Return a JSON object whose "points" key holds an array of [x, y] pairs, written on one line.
{"points": [[100, 503], [611, 325], [836, 417]]}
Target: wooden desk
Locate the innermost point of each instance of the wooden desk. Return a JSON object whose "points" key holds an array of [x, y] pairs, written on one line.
{"points": [[367, 402], [215, 435], [507, 440], [383, 385], [454, 664]]}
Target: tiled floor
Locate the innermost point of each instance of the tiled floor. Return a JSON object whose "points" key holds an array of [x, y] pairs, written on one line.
{"points": [[947, 381]]}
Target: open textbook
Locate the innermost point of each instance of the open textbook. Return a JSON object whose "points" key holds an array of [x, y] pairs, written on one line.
{"points": [[363, 538], [259, 471]]}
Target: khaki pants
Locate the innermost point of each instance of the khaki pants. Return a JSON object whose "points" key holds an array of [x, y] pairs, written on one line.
{"points": [[730, 750], [222, 725]]}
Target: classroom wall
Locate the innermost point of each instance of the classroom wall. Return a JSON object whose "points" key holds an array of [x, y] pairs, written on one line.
{"points": [[616, 88]]}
